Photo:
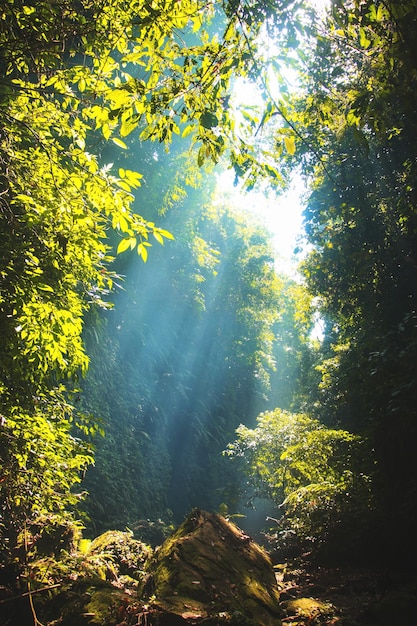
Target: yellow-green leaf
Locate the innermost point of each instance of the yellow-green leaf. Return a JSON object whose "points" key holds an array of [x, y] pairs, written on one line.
{"points": [[142, 251], [124, 185], [106, 131], [165, 233], [119, 143], [187, 130], [289, 145], [133, 178], [125, 244]]}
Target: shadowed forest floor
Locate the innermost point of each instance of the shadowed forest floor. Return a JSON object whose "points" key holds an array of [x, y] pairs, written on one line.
{"points": [[344, 596], [207, 572]]}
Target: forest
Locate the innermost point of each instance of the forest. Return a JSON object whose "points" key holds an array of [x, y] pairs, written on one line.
{"points": [[164, 382]]}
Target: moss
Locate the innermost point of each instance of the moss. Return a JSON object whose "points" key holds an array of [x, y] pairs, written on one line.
{"points": [[83, 602], [314, 610], [101, 605], [164, 575], [126, 554], [212, 567]]}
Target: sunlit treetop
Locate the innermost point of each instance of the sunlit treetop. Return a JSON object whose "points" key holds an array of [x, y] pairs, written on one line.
{"points": [[161, 68]]}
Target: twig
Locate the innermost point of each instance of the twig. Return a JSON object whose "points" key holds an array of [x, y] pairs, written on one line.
{"points": [[29, 593]]}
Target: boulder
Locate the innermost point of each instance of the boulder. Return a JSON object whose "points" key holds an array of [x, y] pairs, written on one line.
{"points": [[211, 571]]}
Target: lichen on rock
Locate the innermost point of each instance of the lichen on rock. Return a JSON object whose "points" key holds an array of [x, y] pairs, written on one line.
{"points": [[210, 569]]}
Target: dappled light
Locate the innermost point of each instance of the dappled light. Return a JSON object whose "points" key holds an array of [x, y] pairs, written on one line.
{"points": [[208, 320]]}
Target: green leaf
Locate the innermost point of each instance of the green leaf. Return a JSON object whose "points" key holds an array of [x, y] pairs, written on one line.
{"points": [[209, 120], [364, 41]]}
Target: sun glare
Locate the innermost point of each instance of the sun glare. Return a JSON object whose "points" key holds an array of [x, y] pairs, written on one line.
{"points": [[282, 216]]}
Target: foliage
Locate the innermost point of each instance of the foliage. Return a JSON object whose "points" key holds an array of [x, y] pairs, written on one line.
{"points": [[295, 353], [42, 463], [54, 551], [78, 77], [184, 357], [75, 75], [357, 110], [67, 576], [314, 474]]}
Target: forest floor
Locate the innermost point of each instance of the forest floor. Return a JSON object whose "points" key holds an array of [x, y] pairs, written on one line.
{"points": [[314, 595]]}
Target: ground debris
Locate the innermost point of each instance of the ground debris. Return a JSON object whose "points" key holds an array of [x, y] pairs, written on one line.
{"points": [[314, 595]]}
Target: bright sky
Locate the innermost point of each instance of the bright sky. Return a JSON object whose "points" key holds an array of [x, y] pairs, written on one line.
{"points": [[282, 215]]}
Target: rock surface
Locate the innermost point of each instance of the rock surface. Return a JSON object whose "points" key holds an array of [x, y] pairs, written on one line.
{"points": [[210, 571]]}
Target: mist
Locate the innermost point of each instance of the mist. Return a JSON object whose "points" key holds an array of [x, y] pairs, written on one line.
{"points": [[183, 357]]}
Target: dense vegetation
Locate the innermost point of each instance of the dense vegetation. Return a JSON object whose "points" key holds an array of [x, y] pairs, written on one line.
{"points": [[206, 335], [355, 141]]}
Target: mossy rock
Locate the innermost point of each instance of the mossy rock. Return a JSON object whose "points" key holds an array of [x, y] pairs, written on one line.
{"points": [[127, 555], [315, 611], [85, 602], [209, 569]]}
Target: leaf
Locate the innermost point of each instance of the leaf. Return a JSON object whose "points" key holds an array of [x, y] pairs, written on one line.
{"points": [[209, 120], [106, 130], [122, 223], [197, 23], [125, 244], [119, 143], [133, 178], [201, 156], [124, 185], [290, 145], [129, 125], [166, 233], [363, 38], [187, 130], [77, 181], [142, 251]]}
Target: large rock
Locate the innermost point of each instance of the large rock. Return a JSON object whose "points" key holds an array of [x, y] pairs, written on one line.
{"points": [[210, 571]]}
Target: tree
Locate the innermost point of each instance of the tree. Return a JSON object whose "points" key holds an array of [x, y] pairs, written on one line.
{"points": [[295, 353], [360, 220], [75, 74], [313, 475]]}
